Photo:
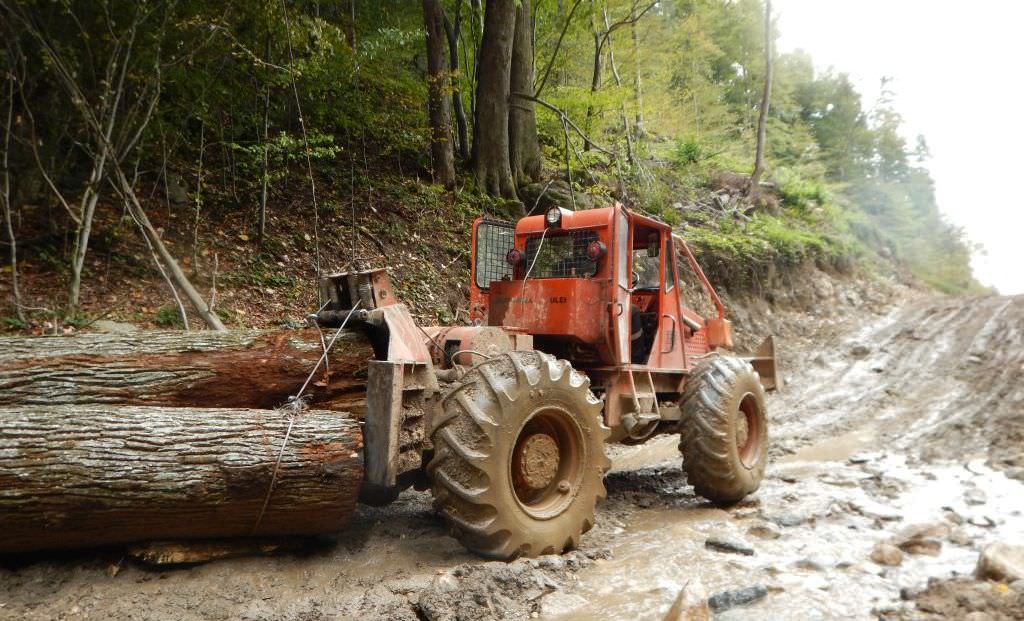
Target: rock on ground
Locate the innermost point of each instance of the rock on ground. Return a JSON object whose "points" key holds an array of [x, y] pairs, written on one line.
{"points": [[691, 604], [738, 597], [1001, 561], [887, 554], [963, 598]]}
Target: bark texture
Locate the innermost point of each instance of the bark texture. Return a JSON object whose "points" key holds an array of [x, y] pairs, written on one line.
{"points": [[253, 369], [454, 32], [491, 165], [77, 476], [638, 90], [766, 98], [524, 153], [439, 104]]}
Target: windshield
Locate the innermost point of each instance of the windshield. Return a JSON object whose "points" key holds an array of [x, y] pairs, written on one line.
{"points": [[560, 255], [645, 269]]}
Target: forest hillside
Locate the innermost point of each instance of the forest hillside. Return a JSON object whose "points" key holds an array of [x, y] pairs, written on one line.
{"points": [[181, 162]]}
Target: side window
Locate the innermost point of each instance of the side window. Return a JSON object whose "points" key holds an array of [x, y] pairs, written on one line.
{"points": [[670, 265], [694, 296], [494, 239]]}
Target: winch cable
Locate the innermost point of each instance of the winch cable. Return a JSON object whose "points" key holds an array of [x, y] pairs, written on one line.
{"points": [[295, 406]]}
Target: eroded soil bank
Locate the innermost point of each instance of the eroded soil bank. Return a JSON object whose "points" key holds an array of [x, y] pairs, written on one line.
{"points": [[902, 422]]}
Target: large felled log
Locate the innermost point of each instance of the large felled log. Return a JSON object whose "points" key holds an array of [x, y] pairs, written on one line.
{"points": [[253, 369], [76, 476]]}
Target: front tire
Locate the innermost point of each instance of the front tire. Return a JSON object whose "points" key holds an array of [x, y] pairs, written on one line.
{"points": [[519, 460], [724, 429]]}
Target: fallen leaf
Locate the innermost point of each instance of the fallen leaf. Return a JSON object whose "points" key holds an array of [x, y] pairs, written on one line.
{"points": [[243, 237]]}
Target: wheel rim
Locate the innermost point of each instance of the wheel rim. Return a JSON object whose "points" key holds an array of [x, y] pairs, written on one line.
{"points": [[748, 431], [547, 462]]}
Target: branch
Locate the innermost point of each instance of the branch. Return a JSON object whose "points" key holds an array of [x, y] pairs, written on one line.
{"points": [[558, 46], [633, 18], [567, 120]]}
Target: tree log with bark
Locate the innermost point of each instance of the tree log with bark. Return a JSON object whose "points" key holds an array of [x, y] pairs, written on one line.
{"points": [[78, 476], [253, 369]]}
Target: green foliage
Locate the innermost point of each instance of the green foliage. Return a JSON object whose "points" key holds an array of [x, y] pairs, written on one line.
{"points": [[168, 317], [12, 323], [800, 193], [690, 150], [78, 320]]}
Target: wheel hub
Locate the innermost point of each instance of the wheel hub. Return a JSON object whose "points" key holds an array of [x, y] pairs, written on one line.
{"points": [[538, 460], [742, 430]]}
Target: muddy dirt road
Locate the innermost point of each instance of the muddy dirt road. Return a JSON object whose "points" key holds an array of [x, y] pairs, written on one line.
{"points": [[902, 427]]}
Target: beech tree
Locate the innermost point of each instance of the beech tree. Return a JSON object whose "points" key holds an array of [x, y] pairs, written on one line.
{"points": [[438, 104], [524, 147], [491, 165]]}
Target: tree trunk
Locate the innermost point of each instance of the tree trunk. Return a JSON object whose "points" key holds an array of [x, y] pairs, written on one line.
{"points": [[627, 133], [638, 91], [6, 212], [524, 147], [439, 104], [153, 239], [254, 369], [762, 118], [453, 32], [90, 197], [76, 476], [595, 84], [491, 165]]}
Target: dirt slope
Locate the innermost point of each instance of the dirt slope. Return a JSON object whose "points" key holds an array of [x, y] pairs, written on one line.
{"points": [[896, 427]]}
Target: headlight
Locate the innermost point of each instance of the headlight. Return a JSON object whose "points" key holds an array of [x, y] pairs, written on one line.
{"points": [[596, 250], [553, 217], [513, 257]]}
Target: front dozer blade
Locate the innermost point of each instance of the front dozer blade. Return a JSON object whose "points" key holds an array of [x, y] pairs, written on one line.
{"points": [[763, 361]]}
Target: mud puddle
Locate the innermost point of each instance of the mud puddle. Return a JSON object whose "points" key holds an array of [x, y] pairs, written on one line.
{"points": [[811, 529]]}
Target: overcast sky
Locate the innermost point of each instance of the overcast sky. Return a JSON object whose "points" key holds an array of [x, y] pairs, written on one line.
{"points": [[957, 70]]}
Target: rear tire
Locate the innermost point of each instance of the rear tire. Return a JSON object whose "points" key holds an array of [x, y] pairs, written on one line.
{"points": [[519, 459], [724, 429]]}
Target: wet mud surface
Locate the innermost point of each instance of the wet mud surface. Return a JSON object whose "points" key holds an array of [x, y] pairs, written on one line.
{"points": [[897, 455]]}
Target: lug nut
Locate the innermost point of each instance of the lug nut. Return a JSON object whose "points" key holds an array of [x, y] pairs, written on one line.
{"points": [[563, 487]]}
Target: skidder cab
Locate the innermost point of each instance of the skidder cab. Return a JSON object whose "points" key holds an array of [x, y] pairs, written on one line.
{"points": [[586, 329]]}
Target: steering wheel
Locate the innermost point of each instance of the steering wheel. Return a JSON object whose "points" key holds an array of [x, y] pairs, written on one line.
{"points": [[635, 280]]}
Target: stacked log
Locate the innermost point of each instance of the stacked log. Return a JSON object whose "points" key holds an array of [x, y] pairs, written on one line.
{"points": [[75, 476], [240, 369], [108, 439]]}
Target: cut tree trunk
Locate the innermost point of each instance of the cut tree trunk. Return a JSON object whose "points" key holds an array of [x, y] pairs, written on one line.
{"points": [[80, 476], [253, 369]]}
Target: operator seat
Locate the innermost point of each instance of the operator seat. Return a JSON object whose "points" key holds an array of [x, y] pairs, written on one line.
{"points": [[639, 344]]}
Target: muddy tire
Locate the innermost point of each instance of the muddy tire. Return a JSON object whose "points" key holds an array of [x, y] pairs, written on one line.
{"points": [[519, 461], [724, 429]]}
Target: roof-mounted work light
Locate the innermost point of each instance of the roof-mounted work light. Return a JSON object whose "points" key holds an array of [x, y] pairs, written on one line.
{"points": [[553, 217]]}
